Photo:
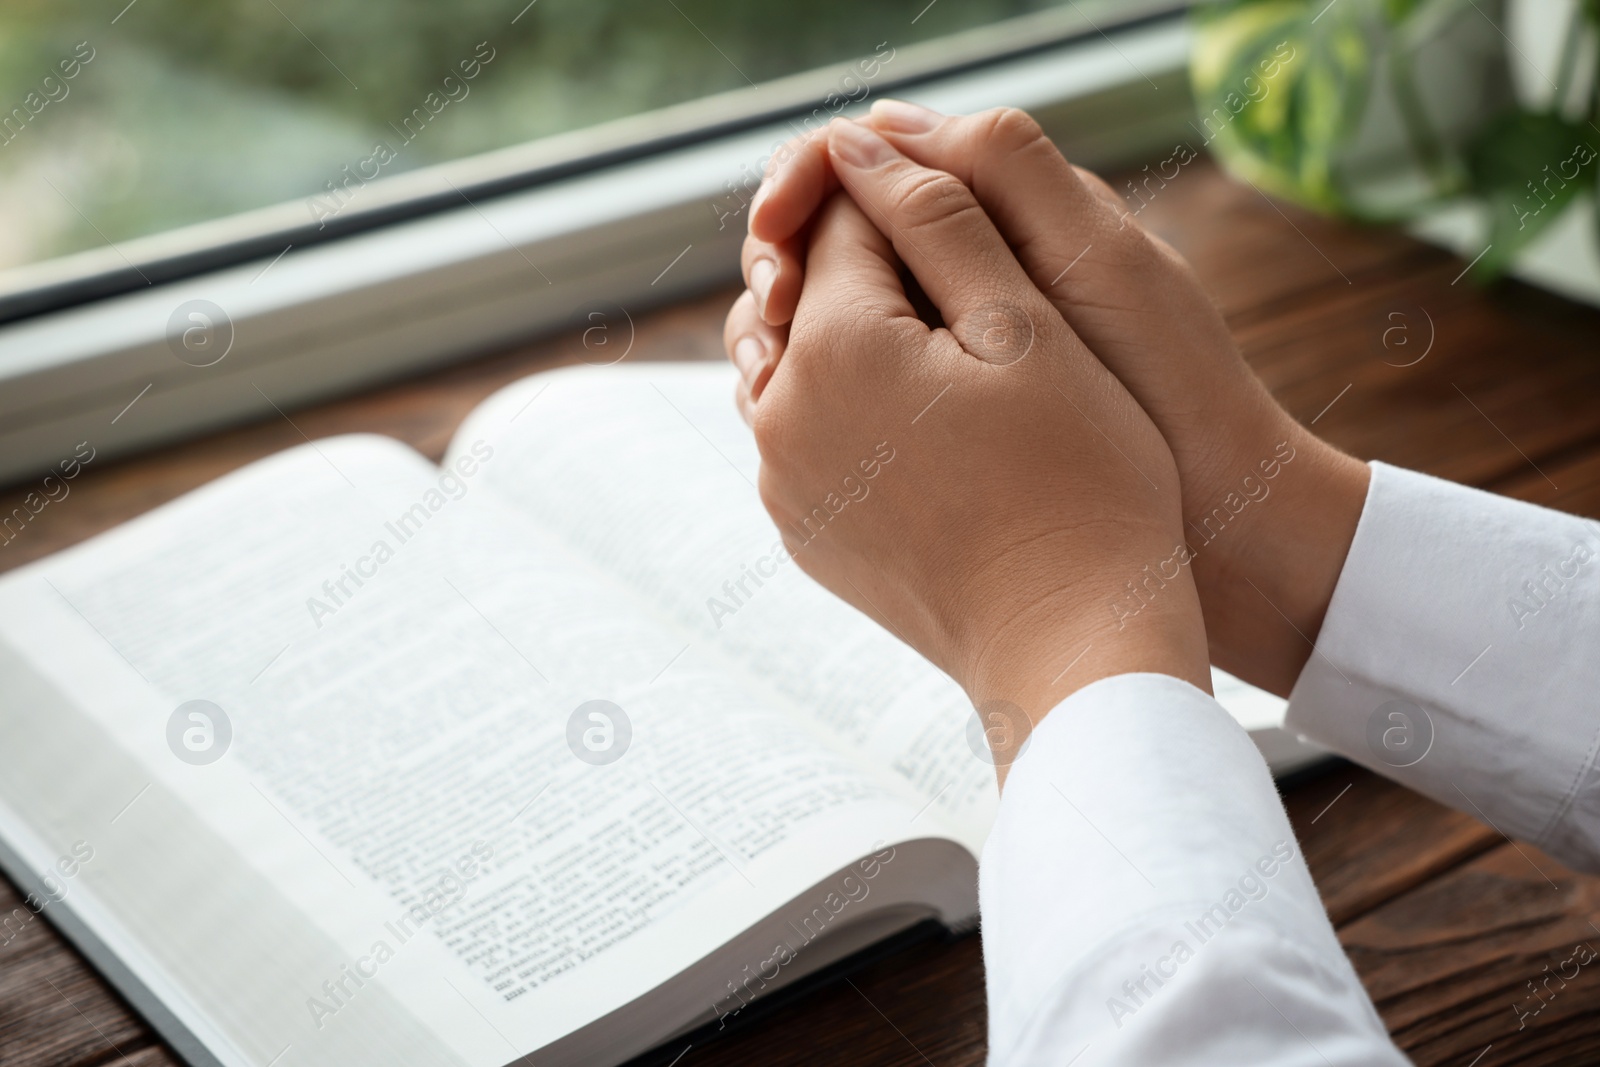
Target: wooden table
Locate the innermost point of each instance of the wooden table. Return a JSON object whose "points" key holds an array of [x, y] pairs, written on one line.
{"points": [[1447, 922]]}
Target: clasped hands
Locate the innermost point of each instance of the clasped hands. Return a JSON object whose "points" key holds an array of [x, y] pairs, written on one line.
{"points": [[1087, 479]]}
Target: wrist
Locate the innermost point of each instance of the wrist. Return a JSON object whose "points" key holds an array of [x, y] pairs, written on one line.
{"points": [[1037, 659], [1266, 591]]}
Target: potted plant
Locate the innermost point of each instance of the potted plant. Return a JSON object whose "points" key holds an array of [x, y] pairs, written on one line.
{"points": [[1385, 110]]}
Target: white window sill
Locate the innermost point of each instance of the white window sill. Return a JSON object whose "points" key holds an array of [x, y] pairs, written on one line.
{"points": [[335, 317]]}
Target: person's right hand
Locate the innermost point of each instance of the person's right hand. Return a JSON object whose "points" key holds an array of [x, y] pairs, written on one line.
{"points": [[1269, 508], [982, 486]]}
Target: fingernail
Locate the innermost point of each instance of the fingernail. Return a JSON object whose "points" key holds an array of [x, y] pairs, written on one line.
{"points": [[762, 271], [905, 117], [748, 355], [859, 146]]}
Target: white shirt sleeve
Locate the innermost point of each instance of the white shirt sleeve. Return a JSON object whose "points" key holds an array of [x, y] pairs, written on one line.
{"points": [[1461, 657], [1144, 900]]}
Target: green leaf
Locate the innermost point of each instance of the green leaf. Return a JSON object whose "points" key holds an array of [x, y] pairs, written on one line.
{"points": [[1279, 90], [1397, 11], [1527, 167]]}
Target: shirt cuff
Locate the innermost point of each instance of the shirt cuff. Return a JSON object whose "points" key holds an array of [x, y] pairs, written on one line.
{"points": [[1138, 811], [1457, 657]]}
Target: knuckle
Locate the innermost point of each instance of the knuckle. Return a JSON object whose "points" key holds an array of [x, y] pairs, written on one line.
{"points": [[859, 316], [847, 321], [1010, 129], [855, 324], [929, 197]]}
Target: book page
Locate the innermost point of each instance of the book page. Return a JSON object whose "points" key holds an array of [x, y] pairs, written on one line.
{"points": [[648, 471], [391, 667]]}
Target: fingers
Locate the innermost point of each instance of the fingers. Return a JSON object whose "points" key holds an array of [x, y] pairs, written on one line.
{"points": [[855, 342], [852, 285], [798, 180], [755, 349], [1127, 295], [853, 291], [774, 271], [941, 233], [1002, 155], [1042, 204], [854, 320]]}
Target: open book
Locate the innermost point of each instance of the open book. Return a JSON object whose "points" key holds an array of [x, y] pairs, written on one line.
{"points": [[548, 752]]}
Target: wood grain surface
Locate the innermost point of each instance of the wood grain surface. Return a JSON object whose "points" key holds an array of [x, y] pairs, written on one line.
{"points": [[1372, 336]]}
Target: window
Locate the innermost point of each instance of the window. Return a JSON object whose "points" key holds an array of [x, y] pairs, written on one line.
{"points": [[125, 119], [354, 189]]}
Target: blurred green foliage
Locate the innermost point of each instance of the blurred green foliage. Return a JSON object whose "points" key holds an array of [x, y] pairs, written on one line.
{"points": [[192, 109], [1279, 95], [1294, 134]]}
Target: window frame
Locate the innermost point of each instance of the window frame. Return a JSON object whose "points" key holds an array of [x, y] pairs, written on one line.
{"points": [[452, 261]]}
